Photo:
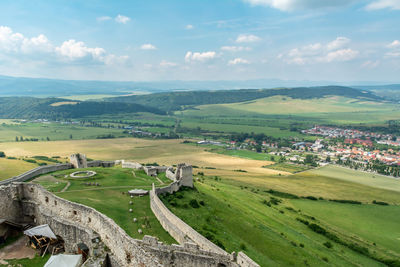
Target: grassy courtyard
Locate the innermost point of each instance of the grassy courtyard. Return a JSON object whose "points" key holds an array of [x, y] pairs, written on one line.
{"points": [[111, 197]]}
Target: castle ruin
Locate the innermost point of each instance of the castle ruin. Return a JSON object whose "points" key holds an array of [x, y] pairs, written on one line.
{"points": [[75, 223]]}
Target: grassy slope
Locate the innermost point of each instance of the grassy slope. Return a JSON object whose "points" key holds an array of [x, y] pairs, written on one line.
{"points": [[240, 221], [110, 200], [379, 224], [369, 179]]}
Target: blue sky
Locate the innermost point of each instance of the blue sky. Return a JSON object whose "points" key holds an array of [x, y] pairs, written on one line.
{"points": [[335, 40]]}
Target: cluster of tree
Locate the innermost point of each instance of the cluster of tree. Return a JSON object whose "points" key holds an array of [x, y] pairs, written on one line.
{"points": [[172, 101], [373, 166], [26, 139], [33, 108]]}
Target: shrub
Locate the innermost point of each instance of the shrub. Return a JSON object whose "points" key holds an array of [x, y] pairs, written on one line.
{"points": [[328, 244], [302, 221], [194, 204], [316, 228], [275, 201], [380, 203], [243, 246], [11, 158], [281, 194], [346, 201], [2, 154], [202, 203], [311, 198]]}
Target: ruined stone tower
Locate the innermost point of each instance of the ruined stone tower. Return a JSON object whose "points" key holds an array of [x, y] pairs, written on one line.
{"points": [[184, 174], [78, 160]]}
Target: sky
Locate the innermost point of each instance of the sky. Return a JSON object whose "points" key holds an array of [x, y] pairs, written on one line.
{"points": [[158, 40]]}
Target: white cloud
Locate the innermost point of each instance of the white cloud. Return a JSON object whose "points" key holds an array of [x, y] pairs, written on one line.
{"points": [[189, 27], [340, 55], [336, 50], [394, 49], [74, 50], [338, 43], [381, 4], [148, 47], [393, 54], [235, 48], [18, 43], [201, 57], [247, 38], [167, 64], [394, 44], [122, 19], [291, 5], [370, 64], [237, 61], [103, 18]]}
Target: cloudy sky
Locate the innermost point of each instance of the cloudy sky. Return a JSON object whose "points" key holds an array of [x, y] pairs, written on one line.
{"points": [[153, 40]]}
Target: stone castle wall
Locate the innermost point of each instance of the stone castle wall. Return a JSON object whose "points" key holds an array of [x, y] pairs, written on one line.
{"points": [[37, 171], [177, 228], [77, 223]]}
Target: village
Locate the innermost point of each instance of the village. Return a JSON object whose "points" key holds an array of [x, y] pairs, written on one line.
{"points": [[351, 148]]}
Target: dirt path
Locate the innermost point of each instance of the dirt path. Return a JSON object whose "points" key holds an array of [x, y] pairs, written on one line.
{"points": [[17, 250], [66, 187], [161, 182]]}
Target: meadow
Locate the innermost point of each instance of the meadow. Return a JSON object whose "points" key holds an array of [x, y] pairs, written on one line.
{"points": [[280, 116], [53, 131], [266, 227]]}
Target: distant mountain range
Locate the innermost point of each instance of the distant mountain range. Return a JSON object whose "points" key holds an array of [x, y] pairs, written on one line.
{"points": [[159, 103], [16, 86]]}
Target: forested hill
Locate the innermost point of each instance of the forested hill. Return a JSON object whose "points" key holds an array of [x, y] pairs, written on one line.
{"points": [[33, 108], [177, 100]]}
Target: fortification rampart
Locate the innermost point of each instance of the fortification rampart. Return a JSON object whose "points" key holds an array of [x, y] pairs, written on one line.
{"points": [[77, 223], [37, 171], [177, 228]]}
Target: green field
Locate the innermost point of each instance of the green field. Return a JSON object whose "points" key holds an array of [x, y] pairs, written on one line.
{"points": [[288, 167], [111, 197], [12, 167], [369, 179], [276, 116], [242, 153], [53, 131], [237, 218]]}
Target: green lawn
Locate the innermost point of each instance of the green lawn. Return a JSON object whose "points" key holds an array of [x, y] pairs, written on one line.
{"points": [[111, 198], [239, 219]]}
